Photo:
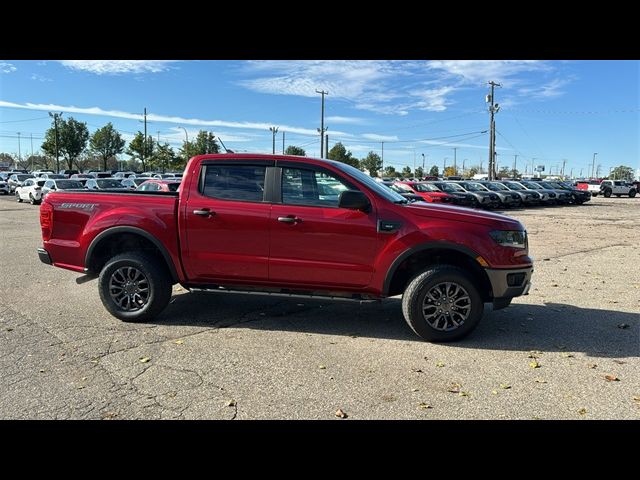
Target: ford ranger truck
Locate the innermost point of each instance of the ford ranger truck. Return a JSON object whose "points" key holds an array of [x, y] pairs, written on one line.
{"points": [[288, 225]]}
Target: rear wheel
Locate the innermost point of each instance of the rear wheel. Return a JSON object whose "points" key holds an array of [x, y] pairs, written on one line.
{"points": [[442, 304], [32, 200], [607, 193], [18, 199], [134, 287], [632, 193]]}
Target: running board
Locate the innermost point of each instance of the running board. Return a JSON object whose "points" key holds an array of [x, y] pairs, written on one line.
{"points": [[355, 298]]}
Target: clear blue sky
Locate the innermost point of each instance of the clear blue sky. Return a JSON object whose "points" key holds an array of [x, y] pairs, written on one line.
{"points": [[550, 110]]}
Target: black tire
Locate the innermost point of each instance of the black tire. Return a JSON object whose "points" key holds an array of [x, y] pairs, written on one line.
{"points": [[33, 201], [594, 194], [18, 199], [414, 298], [158, 281], [632, 193], [607, 193]]}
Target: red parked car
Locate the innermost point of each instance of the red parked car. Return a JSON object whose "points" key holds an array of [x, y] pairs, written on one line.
{"points": [[428, 191], [261, 224], [155, 185]]}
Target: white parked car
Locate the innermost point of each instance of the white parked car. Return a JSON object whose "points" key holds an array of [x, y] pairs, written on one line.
{"points": [[63, 184], [31, 190], [4, 187], [617, 188]]}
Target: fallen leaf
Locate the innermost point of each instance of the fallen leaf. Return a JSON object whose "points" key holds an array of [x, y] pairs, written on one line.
{"points": [[554, 284], [463, 394], [415, 389], [322, 367], [9, 329], [623, 325], [341, 414], [495, 392], [144, 359], [619, 362], [108, 415], [611, 378], [424, 406], [416, 370], [534, 354], [330, 378], [534, 364], [505, 386], [582, 411], [439, 364], [546, 259], [636, 399], [41, 370], [454, 388], [592, 365], [566, 355], [179, 342], [540, 380], [231, 403]]}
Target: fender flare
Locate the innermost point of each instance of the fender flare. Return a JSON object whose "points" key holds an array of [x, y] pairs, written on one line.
{"points": [[136, 231], [440, 245]]}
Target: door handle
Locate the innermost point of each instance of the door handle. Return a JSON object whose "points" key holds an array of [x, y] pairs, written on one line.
{"points": [[205, 212], [289, 219]]}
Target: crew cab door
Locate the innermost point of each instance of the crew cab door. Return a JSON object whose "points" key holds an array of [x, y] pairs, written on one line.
{"points": [[313, 241], [226, 232]]}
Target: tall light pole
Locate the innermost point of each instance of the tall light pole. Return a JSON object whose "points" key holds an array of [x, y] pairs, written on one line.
{"points": [[274, 130], [444, 165], [593, 165], [19, 153], [382, 158], [423, 163], [455, 168], [322, 129], [493, 109], [283, 142]]}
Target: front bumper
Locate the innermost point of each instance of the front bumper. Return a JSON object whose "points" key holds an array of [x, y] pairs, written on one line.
{"points": [[44, 256], [509, 283]]}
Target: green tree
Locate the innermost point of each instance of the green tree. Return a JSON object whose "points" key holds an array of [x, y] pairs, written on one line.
{"points": [[473, 171], [390, 171], [6, 158], [204, 143], [163, 158], [138, 149], [622, 172], [107, 143], [419, 172], [434, 172], [293, 150], [72, 139], [340, 154], [504, 172], [372, 162], [406, 172], [450, 172]]}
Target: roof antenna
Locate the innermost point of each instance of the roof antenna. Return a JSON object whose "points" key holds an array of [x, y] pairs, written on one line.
{"points": [[225, 148]]}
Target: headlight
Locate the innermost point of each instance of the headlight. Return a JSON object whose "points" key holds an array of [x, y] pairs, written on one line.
{"points": [[510, 238]]}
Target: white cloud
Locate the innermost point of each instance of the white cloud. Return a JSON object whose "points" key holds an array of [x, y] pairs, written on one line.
{"points": [[379, 138], [7, 67], [165, 118], [548, 90], [114, 67], [345, 120], [40, 78], [475, 71], [434, 100]]}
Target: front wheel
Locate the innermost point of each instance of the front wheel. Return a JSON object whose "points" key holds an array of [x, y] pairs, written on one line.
{"points": [[442, 304], [134, 287], [18, 199], [594, 194], [607, 193], [632, 193], [32, 200]]}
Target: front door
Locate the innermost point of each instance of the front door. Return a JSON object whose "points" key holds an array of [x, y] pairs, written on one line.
{"points": [[227, 223], [313, 241]]}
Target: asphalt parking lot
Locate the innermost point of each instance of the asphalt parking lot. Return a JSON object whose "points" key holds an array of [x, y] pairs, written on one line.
{"points": [[247, 357]]}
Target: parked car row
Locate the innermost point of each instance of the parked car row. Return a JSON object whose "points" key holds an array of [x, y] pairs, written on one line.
{"points": [[491, 194], [610, 187]]}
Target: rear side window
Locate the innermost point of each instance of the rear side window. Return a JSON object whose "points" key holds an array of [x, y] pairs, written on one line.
{"points": [[244, 183]]}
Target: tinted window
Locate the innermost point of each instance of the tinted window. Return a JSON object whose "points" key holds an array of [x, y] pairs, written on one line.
{"points": [[108, 183], [173, 186], [234, 182], [27, 183], [48, 183], [309, 187], [68, 184]]}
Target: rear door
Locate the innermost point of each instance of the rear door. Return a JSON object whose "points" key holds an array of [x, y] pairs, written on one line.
{"points": [[227, 223], [313, 241]]}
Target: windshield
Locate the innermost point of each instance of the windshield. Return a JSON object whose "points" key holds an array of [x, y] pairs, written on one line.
{"points": [[496, 187], [55, 176], [556, 185], [425, 187], [68, 184], [532, 185], [138, 181], [362, 177], [174, 186], [514, 186], [450, 187], [401, 187], [22, 178], [474, 187], [108, 183]]}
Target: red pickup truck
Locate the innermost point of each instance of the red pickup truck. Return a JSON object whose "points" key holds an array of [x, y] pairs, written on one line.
{"points": [[288, 225]]}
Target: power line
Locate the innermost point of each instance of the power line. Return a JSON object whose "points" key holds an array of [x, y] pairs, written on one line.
{"points": [[25, 120]]}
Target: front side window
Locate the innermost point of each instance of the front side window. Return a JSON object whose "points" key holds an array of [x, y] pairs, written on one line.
{"points": [[244, 183], [310, 187]]}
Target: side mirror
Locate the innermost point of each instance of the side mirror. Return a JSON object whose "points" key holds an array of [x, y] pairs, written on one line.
{"points": [[354, 200]]}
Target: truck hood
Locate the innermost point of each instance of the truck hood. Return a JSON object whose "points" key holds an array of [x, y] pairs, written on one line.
{"points": [[462, 214]]}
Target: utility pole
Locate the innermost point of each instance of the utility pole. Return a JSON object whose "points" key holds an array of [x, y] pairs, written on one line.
{"points": [[144, 145], [382, 158], [423, 163], [463, 166], [493, 109], [571, 174], [564, 161], [274, 130], [19, 153], [32, 152], [414, 162], [283, 142], [581, 173], [326, 145], [322, 129], [593, 165], [480, 166], [455, 168], [55, 123], [444, 165], [598, 171], [515, 164]]}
